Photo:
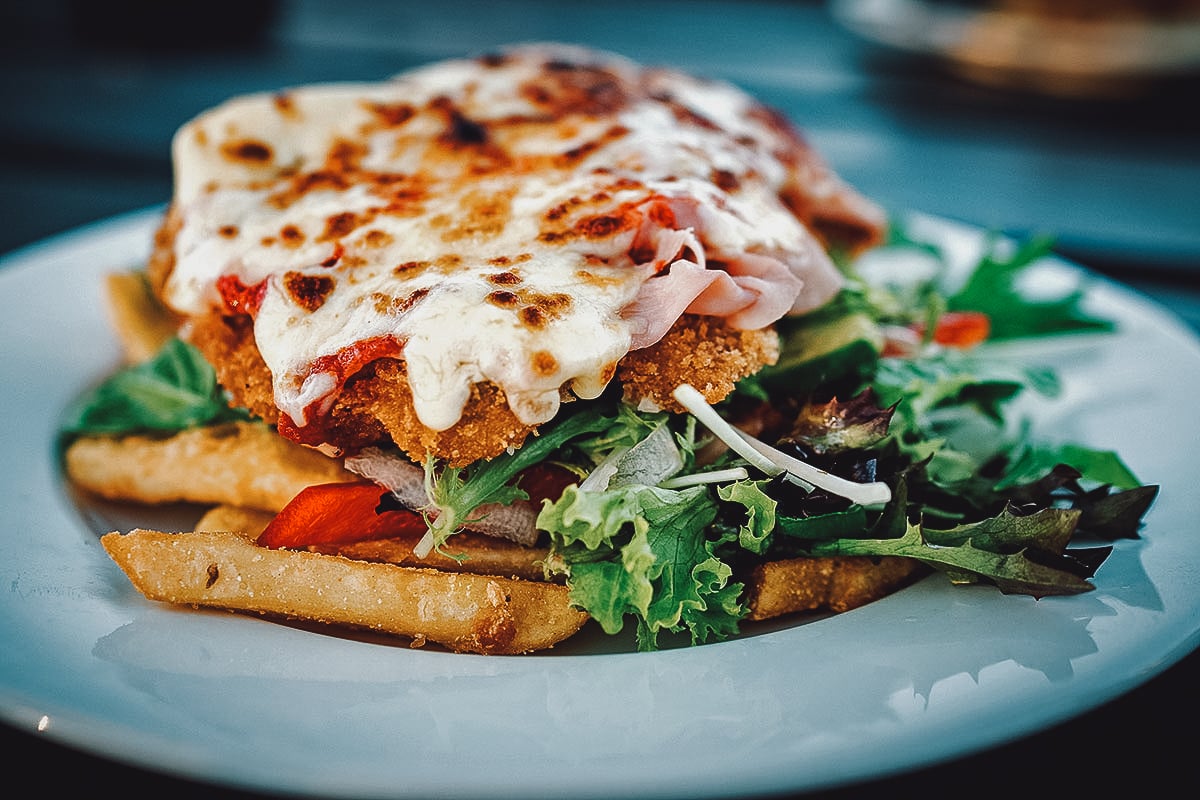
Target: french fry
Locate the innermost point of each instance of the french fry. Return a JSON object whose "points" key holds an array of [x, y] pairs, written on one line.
{"points": [[141, 322], [249, 522], [241, 464], [477, 553], [836, 583], [461, 611]]}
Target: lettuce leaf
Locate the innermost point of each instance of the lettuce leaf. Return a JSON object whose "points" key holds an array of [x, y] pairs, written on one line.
{"points": [[456, 492], [646, 553], [754, 534], [966, 558], [174, 390], [993, 288]]}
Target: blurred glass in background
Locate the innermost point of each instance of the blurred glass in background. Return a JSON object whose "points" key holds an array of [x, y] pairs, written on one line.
{"points": [[1066, 117], [1095, 48]]}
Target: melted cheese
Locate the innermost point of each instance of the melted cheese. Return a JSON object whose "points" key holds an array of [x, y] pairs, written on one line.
{"points": [[512, 219]]}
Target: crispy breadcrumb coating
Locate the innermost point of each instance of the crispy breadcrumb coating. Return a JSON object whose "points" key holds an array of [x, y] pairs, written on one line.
{"points": [[377, 406], [702, 351]]}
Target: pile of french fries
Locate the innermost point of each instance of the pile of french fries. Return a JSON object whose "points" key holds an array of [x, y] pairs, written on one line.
{"points": [[492, 598]]}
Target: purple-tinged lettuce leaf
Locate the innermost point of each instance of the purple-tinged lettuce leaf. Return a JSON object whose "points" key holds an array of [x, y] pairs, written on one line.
{"points": [[1012, 573]]}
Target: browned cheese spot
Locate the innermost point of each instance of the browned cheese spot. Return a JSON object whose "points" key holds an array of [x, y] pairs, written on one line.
{"points": [[345, 156], [551, 305], [558, 230], [338, 251], [626, 183], [602, 226], [403, 195], [493, 60], [446, 263], [247, 151], [339, 225], [308, 291], [228, 231], [302, 184], [608, 278], [398, 306], [461, 130], [291, 236], [725, 179], [484, 214], [685, 113], [555, 213], [285, 104], [543, 363], [596, 226], [506, 278], [566, 128], [563, 88], [376, 238], [542, 308], [503, 299], [581, 151], [410, 269], [532, 317], [465, 141], [391, 115]]}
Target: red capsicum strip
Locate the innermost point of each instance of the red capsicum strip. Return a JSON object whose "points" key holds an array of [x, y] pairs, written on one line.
{"points": [[338, 513], [960, 329]]}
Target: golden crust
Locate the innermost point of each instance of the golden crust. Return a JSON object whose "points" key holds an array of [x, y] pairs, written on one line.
{"points": [[487, 428], [162, 255], [702, 351], [377, 405], [835, 583], [228, 344]]}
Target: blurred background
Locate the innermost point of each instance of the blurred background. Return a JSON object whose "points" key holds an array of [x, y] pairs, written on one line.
{"points": [[1072, 118]]}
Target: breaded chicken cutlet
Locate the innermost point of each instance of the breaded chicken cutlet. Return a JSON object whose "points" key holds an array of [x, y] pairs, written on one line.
{"points": [[444, 259], [377, 405]]}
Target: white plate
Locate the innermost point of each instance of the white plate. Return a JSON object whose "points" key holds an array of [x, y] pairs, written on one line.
{"points": [[930, 673]]}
